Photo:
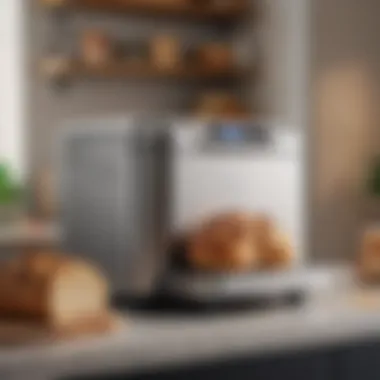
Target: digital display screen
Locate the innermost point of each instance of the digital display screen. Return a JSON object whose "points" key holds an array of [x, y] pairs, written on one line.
{"points": [[231, 133], [234, 133]]}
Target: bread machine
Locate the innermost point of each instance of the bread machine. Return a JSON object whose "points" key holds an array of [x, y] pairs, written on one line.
{"points": [[129, 185], [248, 166]]}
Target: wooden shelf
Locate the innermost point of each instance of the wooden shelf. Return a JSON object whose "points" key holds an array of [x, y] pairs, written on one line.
{"points": [[182, 8], [56, 69]]}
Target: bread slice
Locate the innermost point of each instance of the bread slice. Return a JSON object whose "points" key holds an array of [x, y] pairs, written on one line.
{"points": [[52, 288]]}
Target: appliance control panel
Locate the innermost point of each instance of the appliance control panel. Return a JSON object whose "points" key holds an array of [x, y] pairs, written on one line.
{"points": [[236, 137], [237, 134]]}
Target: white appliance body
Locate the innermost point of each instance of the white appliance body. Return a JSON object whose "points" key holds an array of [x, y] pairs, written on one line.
{"points": [[212, 175]]}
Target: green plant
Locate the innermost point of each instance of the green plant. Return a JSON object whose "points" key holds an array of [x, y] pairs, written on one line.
{"points": [[374, 178], [10, 191]]}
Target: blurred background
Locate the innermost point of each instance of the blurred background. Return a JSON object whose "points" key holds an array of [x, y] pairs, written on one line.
{"points": [[234, 141], [308, 69], [65, 62]]}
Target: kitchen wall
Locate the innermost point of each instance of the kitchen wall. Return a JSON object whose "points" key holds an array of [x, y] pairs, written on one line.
{"points": [[283, 38], [51, 106], [342, 98], [345, 79], [13, 85], [270, 39]]}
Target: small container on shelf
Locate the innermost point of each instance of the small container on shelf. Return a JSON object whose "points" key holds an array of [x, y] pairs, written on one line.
{"points": [[165, 52], [216, 54], [95, 47], [133, 52]]}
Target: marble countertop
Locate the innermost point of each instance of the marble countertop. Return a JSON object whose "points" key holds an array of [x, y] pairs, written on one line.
{"points": [[154, 341]]}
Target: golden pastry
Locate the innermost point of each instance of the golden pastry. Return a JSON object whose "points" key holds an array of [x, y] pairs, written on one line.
{"points": [[238, 242], [225, 243]]}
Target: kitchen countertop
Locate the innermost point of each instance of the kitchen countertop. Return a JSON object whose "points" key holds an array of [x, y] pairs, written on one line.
{"points": [[28, 233], [331, 318]]}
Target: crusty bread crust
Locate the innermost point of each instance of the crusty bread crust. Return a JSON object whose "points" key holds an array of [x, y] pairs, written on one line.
{"points": [[51, 288], [239, 242]]}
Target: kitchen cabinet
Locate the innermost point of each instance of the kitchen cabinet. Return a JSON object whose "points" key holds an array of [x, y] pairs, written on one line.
{"points": [[310, 366], [356, 362], [361, 362]]}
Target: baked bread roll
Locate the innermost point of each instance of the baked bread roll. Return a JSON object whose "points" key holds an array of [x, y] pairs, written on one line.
{"points": [[239, 242], [52, 289], [275, 248], [369, 257], [225, 243]]}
